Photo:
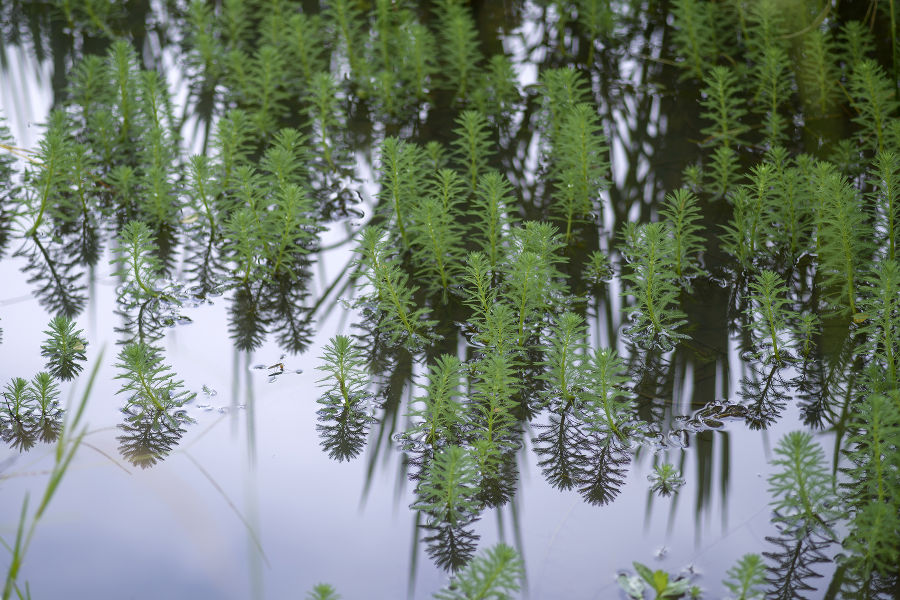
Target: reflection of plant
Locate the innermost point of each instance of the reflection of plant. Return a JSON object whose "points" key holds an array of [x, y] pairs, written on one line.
{"points": [[63, 348]]}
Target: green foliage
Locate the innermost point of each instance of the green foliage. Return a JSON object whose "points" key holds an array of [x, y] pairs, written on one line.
{"points": [[323, 591], [492, 215], [496, 574], [801, 487], [746, 578], [695, 35], [63, 348], [885, 202], [651, 280], [391, 297], [458, 40], [347, 21], [579, 166], [874, 98], [880, 316], [401, 175], [722, 105], [473, 146], [438, 417], [609, 405], [563, 89], [768, 315], [137, 262], [344, 415], [845, 240], [147, 381], [856, 42], [448, 492], [873, 486], [681, 212], [566, 376], [817, 73], [661, 584], [665, 479]]}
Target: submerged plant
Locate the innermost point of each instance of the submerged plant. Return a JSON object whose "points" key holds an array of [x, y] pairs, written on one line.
{"points": [[666, 479], [64, 348]]}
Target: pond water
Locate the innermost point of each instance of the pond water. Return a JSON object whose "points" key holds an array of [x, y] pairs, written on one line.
{"points": [[239, 498]]}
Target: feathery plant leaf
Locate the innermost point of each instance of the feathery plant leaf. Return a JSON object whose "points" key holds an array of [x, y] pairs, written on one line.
{"points": [[880, 311], [401, 175], [885, 201], [323, 591], [563, 90], [579, 165], [138, 265], [695, 36], [650, 278], [874, 98], [681, 212], [802, 489], [472, 145], [448, 492], [63, 348], [722, 105], [609, 405], [437, 418], [768, 314], [459, 43], [746, 579], [492, 215], [497, 574], [844, 240], [566, 376], [392, 295], [817, 73], [148, 382]]}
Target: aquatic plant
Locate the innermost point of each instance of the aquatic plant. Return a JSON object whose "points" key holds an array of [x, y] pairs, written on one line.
{"points": [[665, 479], [345, 413], [661, 584], [147, 381], [650, 279], [723, 106], [459, 40], [137, 262], [874, 100], [472, 146], [694, 36], [439, 416], [566, 375], [323, 591], [802, 489], [745, 579], [63, 348], [682, 213], [768, 315], [497, 574]]}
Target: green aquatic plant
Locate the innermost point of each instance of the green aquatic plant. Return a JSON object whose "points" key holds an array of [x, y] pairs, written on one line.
{"points": [[147, 382], [495, 574], [609, 405], [682, 214], [818, 73], [579, 165], [137, 264], [391, 296], [345, 413], [661, 584], [844, 241], [884, 200], [458, 39], [650, 278], [63, 348], [323, 591], [872, 488], [746, 578], [436, 233], [695, 36], [665, 479], [723, 106], [745, 234], [566, 376], [473, 145], [492, 215], [874, 98], [879, 319], [768, 315], [401, 174], [563, 89], [802, 489], [439, 416]]}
